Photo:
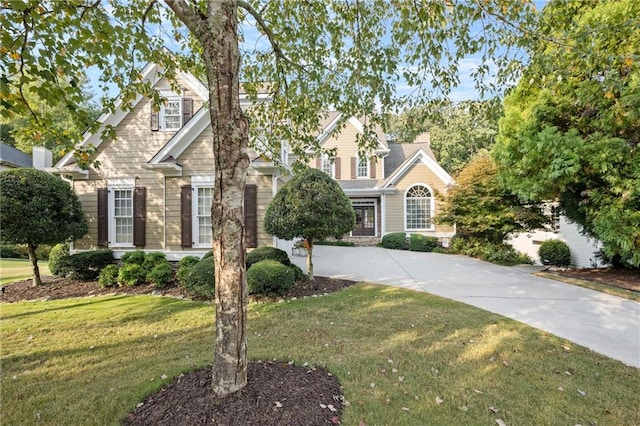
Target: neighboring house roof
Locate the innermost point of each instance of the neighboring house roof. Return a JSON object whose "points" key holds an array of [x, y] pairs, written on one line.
{"points": [[12, 157], [402, 156]]}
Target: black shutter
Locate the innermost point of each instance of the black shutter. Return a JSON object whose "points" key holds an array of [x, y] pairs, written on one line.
{"points": [[155, 120], [103, 217], [187, 110], [337, 164], [185, 216], [251, 216], [139, 216]]}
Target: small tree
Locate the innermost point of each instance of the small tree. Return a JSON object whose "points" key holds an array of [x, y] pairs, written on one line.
{"points": [[38, 208], [311, 206]]}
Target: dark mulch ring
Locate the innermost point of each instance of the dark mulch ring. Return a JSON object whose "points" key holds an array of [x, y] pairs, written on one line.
{"points": [[628, 279], [277, 393], [62, 288]]}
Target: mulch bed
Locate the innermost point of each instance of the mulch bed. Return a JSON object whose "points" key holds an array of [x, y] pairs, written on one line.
{"points": [[628, 279], [277, 393]]}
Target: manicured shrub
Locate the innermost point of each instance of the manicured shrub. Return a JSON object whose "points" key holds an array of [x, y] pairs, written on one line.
{"points": [[267, 253], [270, 278], [501, 254], [419, 242], [208, 254], [86, 266], [298, 274], [184, 267], [109, 276], [555, 252], [152, 259], [396, 240], [133, 257], [58, 253], [160, 275], [338, 243], [200, 280], [131, 275]]}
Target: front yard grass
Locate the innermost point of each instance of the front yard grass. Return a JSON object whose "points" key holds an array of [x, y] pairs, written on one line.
{"points": [[402, 357], [12, 270]]}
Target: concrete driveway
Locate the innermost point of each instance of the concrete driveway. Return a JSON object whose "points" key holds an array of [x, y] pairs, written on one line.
{"points": [[606, 324]]}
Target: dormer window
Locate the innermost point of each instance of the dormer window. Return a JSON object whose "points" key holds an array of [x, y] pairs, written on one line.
{"points": [[173, 114], [327, 165], [362, 167]]}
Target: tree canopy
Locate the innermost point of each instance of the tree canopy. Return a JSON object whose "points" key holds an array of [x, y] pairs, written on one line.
{"points": [[482, 208], [572, 126], [311, 206], [38, 208]]}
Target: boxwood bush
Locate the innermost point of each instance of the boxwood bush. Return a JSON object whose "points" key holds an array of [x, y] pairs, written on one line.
{"points": [[184, 267], [160, 275], [199, 281], [419, 242], [133, 257], [59, 252], [131, 274], [270, 278], [152, 259], [396, 240], [267, 253], [109, 276], [555, 252], [86, 266]]}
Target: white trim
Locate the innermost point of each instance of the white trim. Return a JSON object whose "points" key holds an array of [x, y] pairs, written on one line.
{"points": [[183, 137], [112, 186], [197, 183], [121, 182], [422, 156], [202, 180], [162, 114], [431, 208], [383, 214]]}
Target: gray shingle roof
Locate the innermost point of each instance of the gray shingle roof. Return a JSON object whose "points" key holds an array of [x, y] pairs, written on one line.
{"points": [[399, 152], [14, 157], [358, 184]]}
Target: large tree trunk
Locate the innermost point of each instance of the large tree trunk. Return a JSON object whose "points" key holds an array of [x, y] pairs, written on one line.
{"points": [[31, 249], [217, 31]]}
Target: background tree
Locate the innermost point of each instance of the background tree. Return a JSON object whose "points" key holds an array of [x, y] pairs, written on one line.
{"points": [[483, 209], [315, 55], [24, 130], [572, 126], [311, 206], [38, 208], [458, 130]]}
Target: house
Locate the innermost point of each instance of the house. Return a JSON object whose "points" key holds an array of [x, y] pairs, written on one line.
{"points": [[393, 188], [13, 158], [154, 186]]}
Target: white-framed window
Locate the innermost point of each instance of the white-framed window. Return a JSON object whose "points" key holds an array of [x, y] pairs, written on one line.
{"points": [[121, 212], [362, 167], [418, 208], [171, 114], [202, 200], [327, 165]]}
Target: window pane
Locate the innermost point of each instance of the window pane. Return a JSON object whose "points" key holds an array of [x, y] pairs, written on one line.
{"points": [[124, 230], [363, 167], [123, 215], [172, 114], [327, 165], [204, 230], [203, 214], [418, 208], [205, 199]]}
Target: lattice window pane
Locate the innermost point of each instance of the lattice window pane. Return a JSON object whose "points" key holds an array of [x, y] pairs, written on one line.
{"points": [[418, 208], [205, 200], [326, 164], [363, 167], [173, 114]]}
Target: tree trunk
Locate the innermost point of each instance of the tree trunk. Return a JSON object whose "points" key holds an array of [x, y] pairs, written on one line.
{"points": [[230, 138], [310, 258], [217, 32], [34, 264]]}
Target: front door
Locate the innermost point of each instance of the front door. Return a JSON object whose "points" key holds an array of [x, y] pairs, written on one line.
{"points": [[365, 221]]}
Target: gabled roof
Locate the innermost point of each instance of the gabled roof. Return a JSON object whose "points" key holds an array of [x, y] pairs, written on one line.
{"points": [[152, 73], [403, 156], [332, 119], [13, 157]]}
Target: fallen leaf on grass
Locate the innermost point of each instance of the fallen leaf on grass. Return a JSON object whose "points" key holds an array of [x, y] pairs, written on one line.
{"points": [[493, 409], [405, 409], [566, 348], [581, 392], [477, 391], [501, 422], [439, 401]]}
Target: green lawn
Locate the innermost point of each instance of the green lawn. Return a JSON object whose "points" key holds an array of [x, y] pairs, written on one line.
{"points": [[396, 352], [12, 270]]}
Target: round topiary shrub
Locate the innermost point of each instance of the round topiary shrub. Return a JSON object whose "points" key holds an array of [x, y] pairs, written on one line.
{"points": [[133, 257], [298, 273], [396, 240], [109, 276], [270, 278], [200, 281], [58, 253], [131, 275], [184, 267], [160, 275], [152, 259], [555, 252], [267, 253]]}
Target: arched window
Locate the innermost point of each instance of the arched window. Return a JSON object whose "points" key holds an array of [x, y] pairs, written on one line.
{"points": [[418, 208]]}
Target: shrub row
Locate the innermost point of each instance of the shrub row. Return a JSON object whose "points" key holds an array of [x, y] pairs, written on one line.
{"points": [[415, 242], [501, 254], [19, 251], [138, 267]]}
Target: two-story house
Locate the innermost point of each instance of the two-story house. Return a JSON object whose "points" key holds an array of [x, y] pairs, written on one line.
{"points": [[153, 188]]}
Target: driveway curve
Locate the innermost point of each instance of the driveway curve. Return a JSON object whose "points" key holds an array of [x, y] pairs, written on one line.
{"points": [[606, 324]]}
